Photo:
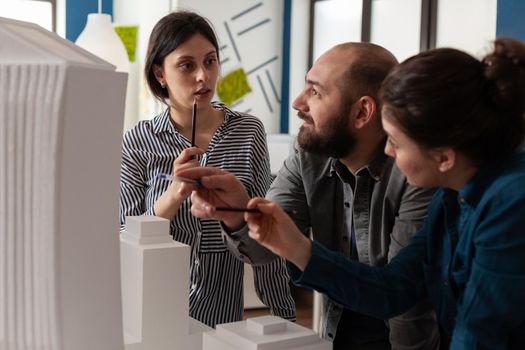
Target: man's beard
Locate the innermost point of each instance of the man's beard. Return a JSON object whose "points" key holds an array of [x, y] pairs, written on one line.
{"points": [[336, 139]]}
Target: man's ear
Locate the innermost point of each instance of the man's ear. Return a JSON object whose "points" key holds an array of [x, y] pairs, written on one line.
{"points": [[445, 158], [159, 74], [365, 111]]}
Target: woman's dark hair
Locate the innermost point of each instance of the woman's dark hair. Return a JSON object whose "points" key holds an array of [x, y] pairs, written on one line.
{"points": [[170, 32], [447, 98]]}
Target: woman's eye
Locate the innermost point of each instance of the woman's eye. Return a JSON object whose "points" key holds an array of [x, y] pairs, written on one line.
{"points": [[391, 143], [211, 61], [186, 66]]}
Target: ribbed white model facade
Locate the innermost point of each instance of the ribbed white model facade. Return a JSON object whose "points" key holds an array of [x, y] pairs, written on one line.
{"points": [[61, 116]]}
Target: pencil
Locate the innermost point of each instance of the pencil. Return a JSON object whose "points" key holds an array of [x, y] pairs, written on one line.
{"points": [[250, 210], [193, 123], [178, 178]]}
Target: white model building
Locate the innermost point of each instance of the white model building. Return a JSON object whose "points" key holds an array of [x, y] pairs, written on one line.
{"points": [[61, 117], [263, 333], [155, 302], [155, 285]]}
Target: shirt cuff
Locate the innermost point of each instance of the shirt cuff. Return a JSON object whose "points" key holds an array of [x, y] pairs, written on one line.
{"points": [[233, 240], [318, 263], [246, 249]]}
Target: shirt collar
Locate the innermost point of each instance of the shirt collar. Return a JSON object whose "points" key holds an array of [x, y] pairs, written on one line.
{"points": [[375, 168], [473, 190], [162, 123]]}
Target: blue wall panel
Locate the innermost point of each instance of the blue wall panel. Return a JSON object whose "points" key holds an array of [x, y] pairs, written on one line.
{"points": [[511, 19], [285, 82]]}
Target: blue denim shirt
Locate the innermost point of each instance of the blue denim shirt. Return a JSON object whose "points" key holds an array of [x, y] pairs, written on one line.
{"points": [[469, 258]]}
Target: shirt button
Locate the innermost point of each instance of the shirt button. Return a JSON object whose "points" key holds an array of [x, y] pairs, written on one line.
{"points": [[241, 256], [445, 283], [330, 335], [462, 200], [196, 262], [347, 205]]}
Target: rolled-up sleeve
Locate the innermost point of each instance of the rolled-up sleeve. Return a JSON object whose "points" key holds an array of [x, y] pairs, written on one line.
{"points": [[132, 184]]}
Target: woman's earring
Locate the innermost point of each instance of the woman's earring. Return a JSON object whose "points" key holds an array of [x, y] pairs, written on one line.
{"points": [[163, 85]]}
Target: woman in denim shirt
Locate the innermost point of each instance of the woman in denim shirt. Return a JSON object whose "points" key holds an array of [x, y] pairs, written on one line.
{"points": [[456, 123]]}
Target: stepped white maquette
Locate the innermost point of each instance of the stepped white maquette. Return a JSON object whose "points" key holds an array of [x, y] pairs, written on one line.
{"points": [[263, 333], [155, 284], [61, 117]]}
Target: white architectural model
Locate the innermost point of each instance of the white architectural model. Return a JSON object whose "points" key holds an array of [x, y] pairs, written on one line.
{"points": [[155, 284], [61, 117], [266, 332]]}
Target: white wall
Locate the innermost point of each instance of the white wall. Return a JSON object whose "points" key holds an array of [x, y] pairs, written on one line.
{"points": [[335, 22], [143, 14], [396, 26], [469, 25], [28, 11], [298, 57]]}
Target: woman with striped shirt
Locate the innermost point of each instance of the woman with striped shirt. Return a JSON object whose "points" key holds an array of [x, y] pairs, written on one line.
{"points": [[182, 69]]}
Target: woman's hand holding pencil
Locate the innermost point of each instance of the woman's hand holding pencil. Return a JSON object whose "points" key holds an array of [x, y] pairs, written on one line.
{"points": [[220, 196], [169, 202]]}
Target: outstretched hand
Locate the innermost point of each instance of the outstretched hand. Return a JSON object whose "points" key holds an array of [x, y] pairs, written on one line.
{"points": [[274, 229], [218, 188]]}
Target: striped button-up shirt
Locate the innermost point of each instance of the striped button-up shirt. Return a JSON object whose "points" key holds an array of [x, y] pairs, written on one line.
{"points": [[216, 276]]}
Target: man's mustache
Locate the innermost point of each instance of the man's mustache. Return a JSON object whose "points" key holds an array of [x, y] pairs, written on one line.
{"points": [[307, 118]]}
